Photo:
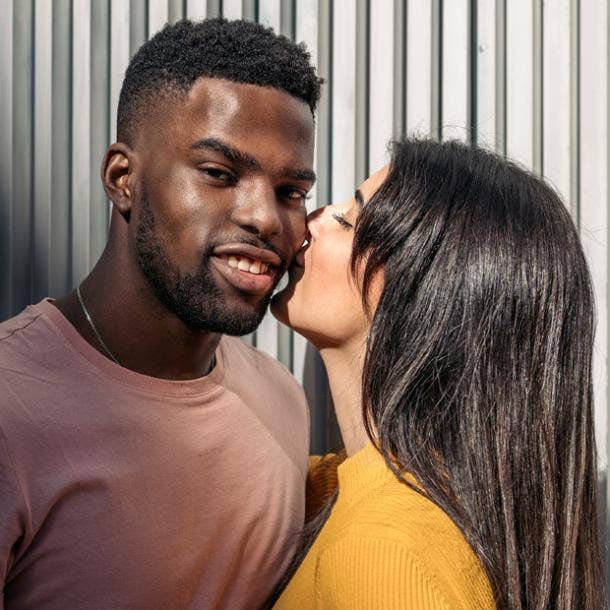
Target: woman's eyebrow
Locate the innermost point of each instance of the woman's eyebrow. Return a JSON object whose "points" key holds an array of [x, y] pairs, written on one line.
{"points": [[359, 197]]}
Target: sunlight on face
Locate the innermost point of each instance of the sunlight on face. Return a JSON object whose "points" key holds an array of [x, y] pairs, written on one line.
{"points": [[322, 302]]}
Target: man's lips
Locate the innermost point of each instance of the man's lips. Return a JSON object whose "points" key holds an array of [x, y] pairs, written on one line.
{"points": [[248, 251], [247, 268]]}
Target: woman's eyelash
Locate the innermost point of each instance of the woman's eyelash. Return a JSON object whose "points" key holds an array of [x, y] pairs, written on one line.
{"points": [[341, 220]]}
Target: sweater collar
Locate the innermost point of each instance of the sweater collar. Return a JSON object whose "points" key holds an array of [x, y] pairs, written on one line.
{"points": [[363, 470]]}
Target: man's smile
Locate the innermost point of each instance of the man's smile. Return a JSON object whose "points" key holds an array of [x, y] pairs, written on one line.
{"points": [[248, 268]]}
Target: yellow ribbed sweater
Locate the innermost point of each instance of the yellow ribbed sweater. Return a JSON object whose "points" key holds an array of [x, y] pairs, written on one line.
{"points": [[384, 547]]}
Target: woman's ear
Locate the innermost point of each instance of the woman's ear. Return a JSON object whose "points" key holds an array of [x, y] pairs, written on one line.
{"points": [[116, 174]]}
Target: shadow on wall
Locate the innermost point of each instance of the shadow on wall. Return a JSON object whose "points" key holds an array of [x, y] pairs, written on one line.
{"points": [[325, 434]]}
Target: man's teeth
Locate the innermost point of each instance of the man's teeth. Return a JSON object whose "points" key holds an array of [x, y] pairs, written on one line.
{"points": [[247, 264]]}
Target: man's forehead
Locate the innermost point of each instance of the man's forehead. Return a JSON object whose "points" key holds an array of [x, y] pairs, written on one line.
{"points": [[246, 117], [226, 100]]}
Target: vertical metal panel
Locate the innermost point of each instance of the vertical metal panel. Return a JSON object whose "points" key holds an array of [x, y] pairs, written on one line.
{"points": [[343, 100], [6, 154], [176, 10], [362, 91], [119, 56], [61, 242], [81, 119], [520, 81], [455, 82], [381, 82], [158, 15], [196, 9], [269, 13], [419, 67], [21, 229], [399, 76], [556, 94], [500, 118], [232, 9], [138, 24], [249, 9], [594, 191], [214, 8], [99, 126], [486, 63], [43, 97], [538, 85]]}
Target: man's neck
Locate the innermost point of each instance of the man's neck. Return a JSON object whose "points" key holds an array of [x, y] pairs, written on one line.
{"points": [[344, 368], [140, 333]]}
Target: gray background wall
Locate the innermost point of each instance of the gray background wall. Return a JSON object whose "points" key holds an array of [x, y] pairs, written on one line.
{"points": [[528, 78]]}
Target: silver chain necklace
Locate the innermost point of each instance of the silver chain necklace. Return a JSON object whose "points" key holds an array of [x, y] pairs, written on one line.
{"points": [[97, 335]]}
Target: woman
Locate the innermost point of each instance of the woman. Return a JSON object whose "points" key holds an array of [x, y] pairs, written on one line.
{"points": [[451, 304]]}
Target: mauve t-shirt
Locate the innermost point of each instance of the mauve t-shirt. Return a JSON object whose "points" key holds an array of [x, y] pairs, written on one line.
{"points": [[122, 491]]}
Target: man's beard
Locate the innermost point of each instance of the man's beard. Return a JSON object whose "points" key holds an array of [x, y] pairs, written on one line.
{"points": [[193, 297]]}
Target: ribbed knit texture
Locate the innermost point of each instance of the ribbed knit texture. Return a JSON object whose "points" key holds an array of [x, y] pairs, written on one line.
{"points": [[384, 546]]}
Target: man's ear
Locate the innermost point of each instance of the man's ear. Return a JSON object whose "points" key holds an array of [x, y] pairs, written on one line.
{"points": [[116, 174]]}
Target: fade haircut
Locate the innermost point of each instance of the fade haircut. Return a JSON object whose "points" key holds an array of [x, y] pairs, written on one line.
{"points": [[240, 51]]}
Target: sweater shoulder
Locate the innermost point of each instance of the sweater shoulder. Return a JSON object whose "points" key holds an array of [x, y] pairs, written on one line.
{"points": [[406, 524], [361, 564]]}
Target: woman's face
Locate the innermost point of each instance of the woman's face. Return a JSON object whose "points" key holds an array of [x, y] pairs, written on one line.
{"points": [[322, 302]]}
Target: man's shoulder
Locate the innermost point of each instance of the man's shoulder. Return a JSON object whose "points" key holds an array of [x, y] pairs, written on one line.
{"points": [[17, 325], [25, 338]]}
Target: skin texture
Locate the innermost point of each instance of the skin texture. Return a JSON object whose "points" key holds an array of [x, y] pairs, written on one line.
{"points": [[323, 303], [161, 294]]}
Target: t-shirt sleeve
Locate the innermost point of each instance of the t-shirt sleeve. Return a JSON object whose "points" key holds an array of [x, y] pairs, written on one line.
{"points": [[360, 573], [11, 511]]}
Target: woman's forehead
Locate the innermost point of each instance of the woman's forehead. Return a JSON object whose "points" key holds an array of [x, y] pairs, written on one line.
{"points": [[373, 182]]}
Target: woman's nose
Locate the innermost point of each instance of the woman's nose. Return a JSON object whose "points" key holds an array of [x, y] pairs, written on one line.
{"points": [[313, 220]]}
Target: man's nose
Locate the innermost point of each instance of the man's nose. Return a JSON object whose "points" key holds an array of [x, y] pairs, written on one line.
{"points": [[258, 211]]}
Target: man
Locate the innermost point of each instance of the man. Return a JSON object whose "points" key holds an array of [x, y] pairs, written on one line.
{"points": [[146, 461]]}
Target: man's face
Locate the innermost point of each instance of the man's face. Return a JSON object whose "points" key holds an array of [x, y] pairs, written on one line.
{"points": [[219, 200]]}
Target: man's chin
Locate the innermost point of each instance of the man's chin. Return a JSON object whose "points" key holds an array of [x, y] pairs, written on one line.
{"points": [[241, 319]]}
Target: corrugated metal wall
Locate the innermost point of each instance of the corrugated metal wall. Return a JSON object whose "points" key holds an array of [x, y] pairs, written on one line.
{"points": [[526, 77]]}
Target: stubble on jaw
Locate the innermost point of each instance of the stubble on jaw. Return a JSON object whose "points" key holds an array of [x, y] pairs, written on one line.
{"points": [[194, 297]]}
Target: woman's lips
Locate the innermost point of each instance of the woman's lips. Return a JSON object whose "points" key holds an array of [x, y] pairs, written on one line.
{"points": [[299, 259]]}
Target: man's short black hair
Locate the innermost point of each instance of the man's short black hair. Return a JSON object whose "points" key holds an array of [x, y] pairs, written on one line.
{"points": [[240, 51]]}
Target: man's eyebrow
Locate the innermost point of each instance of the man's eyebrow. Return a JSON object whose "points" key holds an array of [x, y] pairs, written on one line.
{"points": [[300, 174], [232, 154], [244, 159], [359, 197]]}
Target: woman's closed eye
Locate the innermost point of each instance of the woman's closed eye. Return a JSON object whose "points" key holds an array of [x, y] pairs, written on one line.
{"points": [[340, 218]]}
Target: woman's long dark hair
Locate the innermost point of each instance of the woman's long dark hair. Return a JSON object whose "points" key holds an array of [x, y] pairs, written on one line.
{"points": [[477, 376]]}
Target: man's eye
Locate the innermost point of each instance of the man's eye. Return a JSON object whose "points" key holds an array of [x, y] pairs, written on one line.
{"points": [[218, 174], [296, 195]]}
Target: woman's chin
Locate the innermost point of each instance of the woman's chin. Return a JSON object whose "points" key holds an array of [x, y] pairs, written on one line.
{"points": [[285, 309], [282, 301]]}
